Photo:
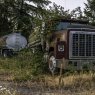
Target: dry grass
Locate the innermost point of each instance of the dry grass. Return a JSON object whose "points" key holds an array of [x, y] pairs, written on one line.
{"points": [[82, 84], [76, 84]]}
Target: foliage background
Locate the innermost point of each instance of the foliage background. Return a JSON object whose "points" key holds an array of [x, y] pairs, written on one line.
{"points": [[21, 16]]}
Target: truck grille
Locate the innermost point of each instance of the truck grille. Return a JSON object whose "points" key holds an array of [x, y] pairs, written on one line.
{"points": [[82, 44]]}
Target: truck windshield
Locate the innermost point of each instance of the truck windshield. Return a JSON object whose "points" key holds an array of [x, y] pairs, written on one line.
{"points": [[64, 25]]}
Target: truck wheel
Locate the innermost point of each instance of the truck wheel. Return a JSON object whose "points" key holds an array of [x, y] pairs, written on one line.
{"points": [[52, 63], [5, 53]]}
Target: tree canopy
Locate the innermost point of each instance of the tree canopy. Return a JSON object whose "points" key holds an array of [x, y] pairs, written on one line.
{"points": [[23, 15], [90, 11], [17, 15]]}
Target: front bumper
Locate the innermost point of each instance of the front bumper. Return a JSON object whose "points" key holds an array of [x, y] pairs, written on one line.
{"points": [[75, 64]]}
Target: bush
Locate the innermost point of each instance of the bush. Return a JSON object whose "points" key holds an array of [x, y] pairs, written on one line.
{"points": [[25, 64], [38, 65]]}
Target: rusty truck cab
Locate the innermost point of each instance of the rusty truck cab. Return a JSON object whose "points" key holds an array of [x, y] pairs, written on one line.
{"points": [[71, 45]]}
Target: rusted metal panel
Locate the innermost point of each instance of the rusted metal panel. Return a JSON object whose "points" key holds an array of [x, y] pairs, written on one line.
{"points": [[61, 38]]}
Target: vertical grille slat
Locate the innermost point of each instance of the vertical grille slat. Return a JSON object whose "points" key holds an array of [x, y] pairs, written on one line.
{"points": [[88, 44], [81, 44], [93, 45], [75, 45]]}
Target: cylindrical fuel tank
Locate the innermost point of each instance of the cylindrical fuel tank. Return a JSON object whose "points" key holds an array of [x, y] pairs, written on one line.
{"points": [[16, 41]]}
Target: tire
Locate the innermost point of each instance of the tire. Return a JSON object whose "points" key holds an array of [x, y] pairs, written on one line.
{"points": [[10, 53], [5, 53], [52, 63]]}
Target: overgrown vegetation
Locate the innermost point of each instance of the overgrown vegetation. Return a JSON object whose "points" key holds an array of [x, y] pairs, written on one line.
{"points": [[28, 69], [24, 65], [18, 15]]}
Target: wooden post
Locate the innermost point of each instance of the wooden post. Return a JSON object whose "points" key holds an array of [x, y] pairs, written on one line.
{"points": [[61, 82]]}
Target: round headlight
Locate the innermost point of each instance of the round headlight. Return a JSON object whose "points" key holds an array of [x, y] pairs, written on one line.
{"points": [[60, 47]]}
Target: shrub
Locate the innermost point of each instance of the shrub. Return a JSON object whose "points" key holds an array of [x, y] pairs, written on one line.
{"points": [[38, 65]]}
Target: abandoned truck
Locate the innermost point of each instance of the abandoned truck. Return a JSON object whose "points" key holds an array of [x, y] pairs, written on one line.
{"points": [[11, 44], [69, 44]]}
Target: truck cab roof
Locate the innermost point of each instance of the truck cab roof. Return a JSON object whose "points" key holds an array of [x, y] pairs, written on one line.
{"points": [[70, 21], [61, 24]]}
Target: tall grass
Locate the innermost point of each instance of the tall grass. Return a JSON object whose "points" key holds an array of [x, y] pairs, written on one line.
{"points": [[23, 65], [27, 69]]}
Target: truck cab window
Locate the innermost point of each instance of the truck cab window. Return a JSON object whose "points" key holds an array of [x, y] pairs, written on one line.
{"points": [[62, 25]]}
